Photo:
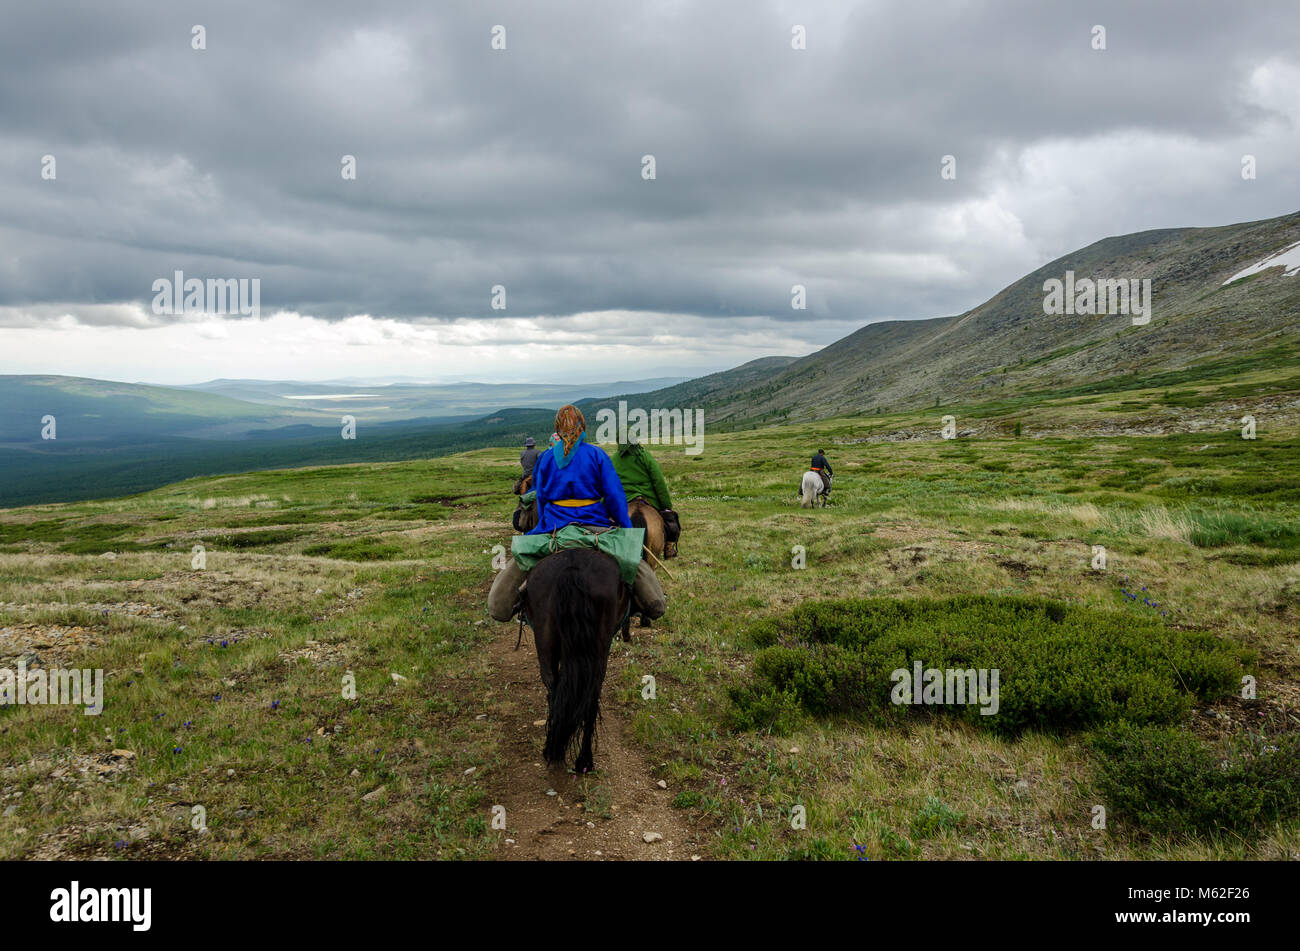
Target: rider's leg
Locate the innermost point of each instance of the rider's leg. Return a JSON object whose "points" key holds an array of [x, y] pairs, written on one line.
{"points": [[648, 593], [505, 588]]}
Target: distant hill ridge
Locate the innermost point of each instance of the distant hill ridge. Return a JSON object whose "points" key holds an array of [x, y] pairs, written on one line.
{"points": [[1008, 345], [115, 438]]}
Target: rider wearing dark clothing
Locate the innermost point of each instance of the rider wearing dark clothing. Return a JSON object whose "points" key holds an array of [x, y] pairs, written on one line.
{"points": [[527, 462], [528, 458], [820, 465]]}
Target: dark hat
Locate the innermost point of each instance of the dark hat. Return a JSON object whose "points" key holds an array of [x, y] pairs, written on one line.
{"points": [[530, 442]]}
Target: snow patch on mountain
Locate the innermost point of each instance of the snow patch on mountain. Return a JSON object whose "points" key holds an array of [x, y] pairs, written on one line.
{"points": [[1288, 257]]}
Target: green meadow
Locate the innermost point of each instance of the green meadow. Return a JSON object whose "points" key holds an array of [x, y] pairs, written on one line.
{"points": [[227, 678]]}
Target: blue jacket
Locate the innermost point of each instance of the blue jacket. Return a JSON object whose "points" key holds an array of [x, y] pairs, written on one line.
{"points": [[587, 473]]}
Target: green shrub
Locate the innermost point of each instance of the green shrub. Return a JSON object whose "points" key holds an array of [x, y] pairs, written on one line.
{"points": [[38, 531], [934, 817], [256, 539], [100, 537], [764, 710], [1061, 667], [1217, 529], [1170, 781], [1250, 558], [359, 549], [686, 799], [1189, 485]]}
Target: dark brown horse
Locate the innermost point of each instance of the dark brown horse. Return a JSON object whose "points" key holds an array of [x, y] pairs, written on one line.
{"points": [[574, 600]]}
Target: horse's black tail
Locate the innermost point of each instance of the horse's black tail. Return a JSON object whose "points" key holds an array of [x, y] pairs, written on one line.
{"points": [[576, 697]]}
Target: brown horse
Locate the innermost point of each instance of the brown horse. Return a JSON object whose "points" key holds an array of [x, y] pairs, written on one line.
{"points": [[574, 600], [525, 517], [644, 515]]}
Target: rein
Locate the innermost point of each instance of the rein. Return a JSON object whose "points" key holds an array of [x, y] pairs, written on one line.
{"points": [[520, 639]]}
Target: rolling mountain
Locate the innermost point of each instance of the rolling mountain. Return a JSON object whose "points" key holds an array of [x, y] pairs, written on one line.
{"points": [[1224, 301], [1007, 345]]}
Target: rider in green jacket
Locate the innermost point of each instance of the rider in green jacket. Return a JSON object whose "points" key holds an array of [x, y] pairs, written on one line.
{"points": [[642, 478], [641, 475]]}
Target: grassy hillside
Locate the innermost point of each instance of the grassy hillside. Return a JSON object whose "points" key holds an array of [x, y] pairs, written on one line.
{"points": [[1007, 346], [224, 684], [706, 390]]}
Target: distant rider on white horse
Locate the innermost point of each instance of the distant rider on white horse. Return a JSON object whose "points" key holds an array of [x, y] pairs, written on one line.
{"points": [[822, 468]]}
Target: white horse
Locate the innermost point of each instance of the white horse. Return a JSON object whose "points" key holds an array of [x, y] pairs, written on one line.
{"points": [[813, 490]]}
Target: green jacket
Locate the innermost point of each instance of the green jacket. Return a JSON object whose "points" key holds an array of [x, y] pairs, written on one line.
{"points": [[641, 476]]}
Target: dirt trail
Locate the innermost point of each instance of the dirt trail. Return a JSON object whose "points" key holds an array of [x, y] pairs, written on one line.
{"points": [[624, 800]]}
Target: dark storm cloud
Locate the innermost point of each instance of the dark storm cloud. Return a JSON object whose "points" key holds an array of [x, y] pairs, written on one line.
{"points": [[522, 167]]}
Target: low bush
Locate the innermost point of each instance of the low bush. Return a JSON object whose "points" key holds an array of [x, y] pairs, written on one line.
{"points": [[1170, 781], [360, 549], [1060, 667]]}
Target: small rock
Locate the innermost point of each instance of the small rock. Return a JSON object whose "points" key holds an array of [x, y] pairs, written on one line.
{"points": [[794, 749], [470, 771], [397, 678], [661, 784], [10, 810], [374, 794], [551, 792], [651, 837], [355, 772], [539, 723], [695, 858], [230, 772], [510, 841]]}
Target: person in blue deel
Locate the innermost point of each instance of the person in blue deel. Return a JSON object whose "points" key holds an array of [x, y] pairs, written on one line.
{"points": [[576, 483]]}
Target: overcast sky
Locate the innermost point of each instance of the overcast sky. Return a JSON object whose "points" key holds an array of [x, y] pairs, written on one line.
{"points": [[523, 167]]}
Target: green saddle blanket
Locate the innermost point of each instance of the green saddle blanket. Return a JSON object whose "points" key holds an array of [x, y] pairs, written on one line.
{"points": [[623, 543]]}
